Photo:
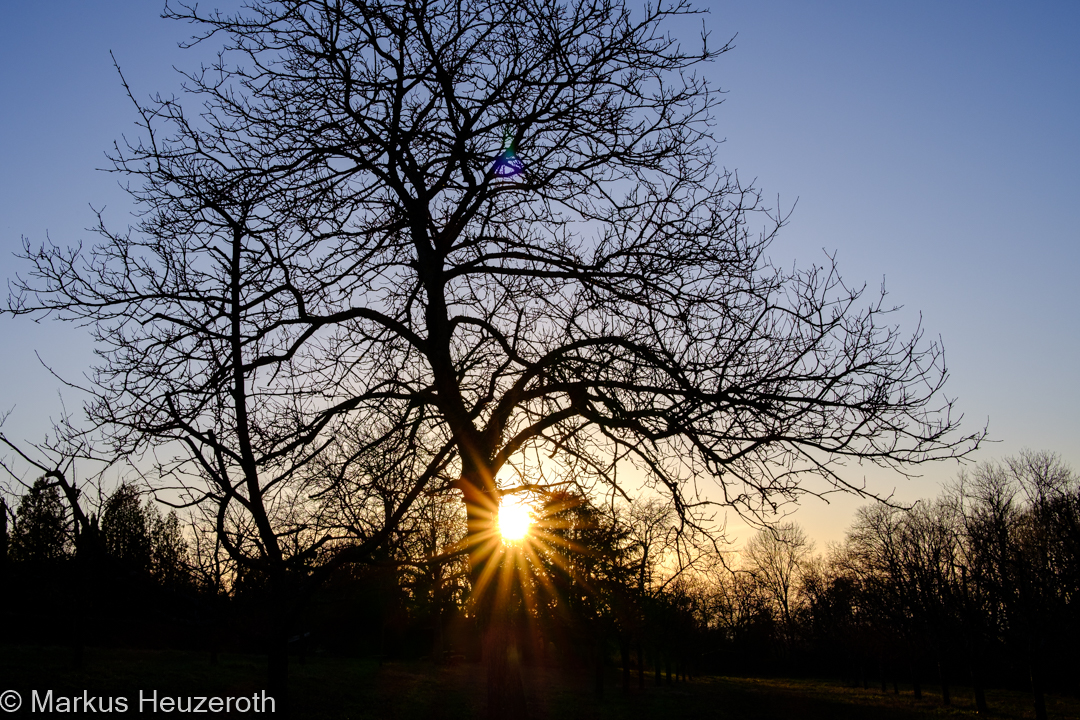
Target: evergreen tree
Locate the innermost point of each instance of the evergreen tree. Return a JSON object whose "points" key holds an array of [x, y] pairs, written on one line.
{"points": [[168, 549], [40, 532], [125, 524]]}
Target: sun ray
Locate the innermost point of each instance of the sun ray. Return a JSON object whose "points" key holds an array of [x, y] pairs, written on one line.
{"points": [[487, 573], [527, 558]]}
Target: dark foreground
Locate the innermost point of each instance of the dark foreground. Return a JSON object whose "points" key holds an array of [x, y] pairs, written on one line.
{"points": [[344, 689]]}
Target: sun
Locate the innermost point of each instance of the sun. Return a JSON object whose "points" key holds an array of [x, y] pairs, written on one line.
{"points": [[514, 519]]}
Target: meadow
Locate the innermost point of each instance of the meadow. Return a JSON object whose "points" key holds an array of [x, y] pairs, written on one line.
{"points": [[355, 689]]}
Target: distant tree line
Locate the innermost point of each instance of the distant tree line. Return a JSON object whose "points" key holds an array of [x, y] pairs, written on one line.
{"points": [[976, 588]]}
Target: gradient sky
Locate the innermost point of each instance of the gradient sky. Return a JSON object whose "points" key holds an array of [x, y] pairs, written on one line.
{"points": [[933, 146]]}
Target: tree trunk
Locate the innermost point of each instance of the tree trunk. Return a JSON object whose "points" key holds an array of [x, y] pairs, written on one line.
{"points": [[975, 667], [943, 677], [88, 570], [3, 544], [980, 698], [640, 668], [599, 658], [977, 686], [277, 670], [624, 651], [1039, 700], [1037, 684], [505, 684]]}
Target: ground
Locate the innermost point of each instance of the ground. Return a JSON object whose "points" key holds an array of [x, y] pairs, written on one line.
{"points": [[348, 689]]}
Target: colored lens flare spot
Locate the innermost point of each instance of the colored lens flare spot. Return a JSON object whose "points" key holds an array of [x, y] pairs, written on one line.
{"points": [[508, 164]]}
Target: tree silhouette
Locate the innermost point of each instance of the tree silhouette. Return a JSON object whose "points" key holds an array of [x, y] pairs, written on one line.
{"points": [[169, 550], [777, 556], [1021, 524], [41, 533], [403, 246], [125, 528]]}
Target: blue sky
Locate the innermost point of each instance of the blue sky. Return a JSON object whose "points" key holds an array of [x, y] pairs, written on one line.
{"points": [[933, 146]]}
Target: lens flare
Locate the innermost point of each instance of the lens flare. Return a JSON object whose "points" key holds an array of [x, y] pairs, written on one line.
{"points": [[514, 519], [507, 163]]}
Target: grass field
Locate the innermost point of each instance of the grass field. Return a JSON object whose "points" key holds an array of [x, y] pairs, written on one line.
{"points": [[344, 689]]}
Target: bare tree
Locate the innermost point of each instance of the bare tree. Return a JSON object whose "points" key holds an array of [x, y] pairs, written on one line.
{"points": [[403, 243], [777, 556], [1021, 526], [875, 555]]}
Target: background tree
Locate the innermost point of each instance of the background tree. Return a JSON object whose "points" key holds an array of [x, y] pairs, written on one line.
{"points": [[778, 557], [653, 539], [929, 543], [741, 615], [436, 236], [3, 537], [45, 586], [1021, 542], [586, 577], [169, 550], [41, 532], [125, 527], [844, 623], [875, 556]]}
